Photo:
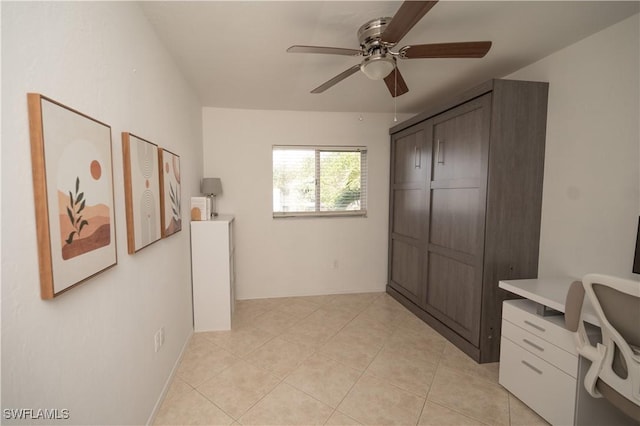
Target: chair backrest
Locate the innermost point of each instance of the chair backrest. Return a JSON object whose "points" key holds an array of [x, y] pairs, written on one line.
{"points": [[573, 306], [616, 302], [622, 311]]}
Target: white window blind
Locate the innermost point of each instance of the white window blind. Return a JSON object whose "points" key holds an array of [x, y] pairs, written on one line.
{"points": [[319, 181]]}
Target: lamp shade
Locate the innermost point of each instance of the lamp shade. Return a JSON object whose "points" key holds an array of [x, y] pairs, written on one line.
{"points": [[377, 67], [211, 186]]}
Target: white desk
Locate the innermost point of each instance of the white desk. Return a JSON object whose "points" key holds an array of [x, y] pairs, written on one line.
{"points": [[550, 292], [538, 360]]}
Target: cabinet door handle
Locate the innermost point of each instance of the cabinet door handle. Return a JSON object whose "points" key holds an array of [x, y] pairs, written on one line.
{"points": [[531, 367], [533, 345], [417, 157], [537, 327], [440, 152]]}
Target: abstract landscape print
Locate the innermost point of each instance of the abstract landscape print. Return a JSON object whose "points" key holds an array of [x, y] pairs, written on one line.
{"points": [[170, 192], [142, 191], [73, 188]]}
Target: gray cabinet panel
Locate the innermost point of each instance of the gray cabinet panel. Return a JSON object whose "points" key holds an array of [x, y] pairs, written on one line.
{"points": [[454, 223], [457, 138], [453, 295], [405, 267], [458, 188], [410, 164], [408, 212]]}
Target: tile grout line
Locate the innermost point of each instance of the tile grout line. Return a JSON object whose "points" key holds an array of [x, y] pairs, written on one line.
{"points": [[216, 405], [283, 379], [356, 381], [451, 408], [426, 398], [243, 358], [363, 371], [317, 352]]}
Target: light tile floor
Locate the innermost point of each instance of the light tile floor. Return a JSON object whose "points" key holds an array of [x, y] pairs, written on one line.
{"points": [[335, 360]]}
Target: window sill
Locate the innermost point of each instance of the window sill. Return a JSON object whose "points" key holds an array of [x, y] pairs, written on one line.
{"points": [[349, 213]]}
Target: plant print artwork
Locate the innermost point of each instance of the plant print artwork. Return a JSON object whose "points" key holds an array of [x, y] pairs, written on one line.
{"points": [[84, 221], [172, 193], [84, 216]]}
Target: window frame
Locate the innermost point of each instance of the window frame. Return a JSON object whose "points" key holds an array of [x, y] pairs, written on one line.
{"points": [[362, 212]]}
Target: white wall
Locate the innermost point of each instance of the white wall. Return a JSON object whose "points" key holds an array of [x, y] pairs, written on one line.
{"points": [[591, 195], [91, 349], [289, 257]]}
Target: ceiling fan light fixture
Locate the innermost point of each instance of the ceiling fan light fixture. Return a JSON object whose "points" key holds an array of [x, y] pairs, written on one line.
{"points": [[377, 67]]}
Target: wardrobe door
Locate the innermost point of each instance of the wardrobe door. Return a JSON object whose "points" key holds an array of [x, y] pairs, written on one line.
{"points": [[454, 252], [410, 170]]}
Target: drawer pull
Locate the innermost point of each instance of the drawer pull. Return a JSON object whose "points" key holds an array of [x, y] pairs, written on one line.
{"points": [[530, 343], [537, 327], [531, 367]]}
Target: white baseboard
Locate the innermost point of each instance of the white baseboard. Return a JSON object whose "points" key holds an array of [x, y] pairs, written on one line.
{"points": [[379, 289], [167, 384]]}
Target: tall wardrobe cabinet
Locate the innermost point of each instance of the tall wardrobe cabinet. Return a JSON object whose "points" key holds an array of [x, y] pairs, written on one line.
{"points": [[465, 201]]}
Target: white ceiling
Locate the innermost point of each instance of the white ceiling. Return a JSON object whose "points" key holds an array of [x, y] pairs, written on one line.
{"points": [[233, 53]]}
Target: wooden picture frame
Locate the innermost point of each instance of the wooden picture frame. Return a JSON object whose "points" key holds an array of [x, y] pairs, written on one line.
{"points": [[142, 191], [71, 161], [636, 256], [170, 192]]}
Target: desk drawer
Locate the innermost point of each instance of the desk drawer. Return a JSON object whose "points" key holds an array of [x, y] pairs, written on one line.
{"points": [[549, 391], [554, 355], [523, 314]]}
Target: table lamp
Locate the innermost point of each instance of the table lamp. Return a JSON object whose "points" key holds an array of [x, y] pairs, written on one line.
{"points": [[211, 187]]}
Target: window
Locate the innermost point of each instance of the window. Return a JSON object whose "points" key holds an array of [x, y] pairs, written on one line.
{"points": [[319, 181]]}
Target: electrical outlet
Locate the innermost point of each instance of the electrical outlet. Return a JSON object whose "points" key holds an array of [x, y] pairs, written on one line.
{"points": [[156, 341]]}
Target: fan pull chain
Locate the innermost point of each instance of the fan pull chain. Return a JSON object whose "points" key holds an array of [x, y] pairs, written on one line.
{"points": [[395, 97]]}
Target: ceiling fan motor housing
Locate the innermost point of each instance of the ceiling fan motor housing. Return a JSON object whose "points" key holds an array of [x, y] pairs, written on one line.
{"points": [[370, 36], [376, 63]]}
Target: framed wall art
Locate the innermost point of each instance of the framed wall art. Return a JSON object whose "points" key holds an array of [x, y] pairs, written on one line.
{"points": [[142, 191], [170, 192], [73, 189]]}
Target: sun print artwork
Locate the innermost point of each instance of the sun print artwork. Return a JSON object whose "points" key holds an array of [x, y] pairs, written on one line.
{"points": [[170, 192], [73, 195]]}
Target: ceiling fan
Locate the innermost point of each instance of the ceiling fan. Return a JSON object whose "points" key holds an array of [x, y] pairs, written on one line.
{"points": [[378, 36]]}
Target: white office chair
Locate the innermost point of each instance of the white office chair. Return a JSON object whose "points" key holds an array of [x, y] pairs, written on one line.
{"points": [[615, 363]]}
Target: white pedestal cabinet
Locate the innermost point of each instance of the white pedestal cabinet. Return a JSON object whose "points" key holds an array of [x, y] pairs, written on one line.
{"points": [[213, 272], [539, 362]]}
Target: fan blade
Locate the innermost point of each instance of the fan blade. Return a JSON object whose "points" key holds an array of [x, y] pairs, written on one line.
{"points": [[405, 18], [324, 50], [395, 83], [337, 79], [470, 49]]}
